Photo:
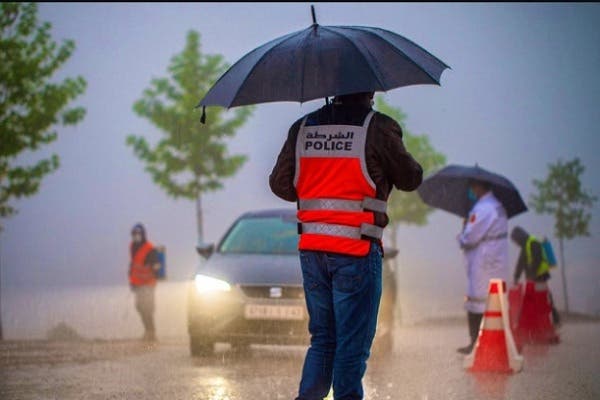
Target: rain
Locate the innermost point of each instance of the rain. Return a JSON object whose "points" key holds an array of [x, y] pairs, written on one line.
{"points": [[521, 93]]}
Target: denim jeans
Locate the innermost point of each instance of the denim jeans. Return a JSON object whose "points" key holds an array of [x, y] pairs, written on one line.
{"points": [[342, 296]]}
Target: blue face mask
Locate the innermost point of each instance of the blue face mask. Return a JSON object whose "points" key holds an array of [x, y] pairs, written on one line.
{"points": [[471, 195]]}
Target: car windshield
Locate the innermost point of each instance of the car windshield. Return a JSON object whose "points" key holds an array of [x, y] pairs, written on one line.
{"points": [[262, 235]]}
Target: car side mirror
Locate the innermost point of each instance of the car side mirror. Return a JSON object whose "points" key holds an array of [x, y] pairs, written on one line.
{"points": [[389, 252], [206, 250]]}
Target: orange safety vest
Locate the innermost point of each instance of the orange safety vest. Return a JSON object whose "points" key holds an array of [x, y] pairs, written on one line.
{"points": [[336, 195], [139, 273]]}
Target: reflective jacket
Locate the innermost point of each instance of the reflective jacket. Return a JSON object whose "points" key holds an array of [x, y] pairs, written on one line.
{"points": [[543, 266], [484, 241], [387, 164], [141, 274], [336, 195]]}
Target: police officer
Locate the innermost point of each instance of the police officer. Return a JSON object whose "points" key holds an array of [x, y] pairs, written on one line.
{"points": [[142, 277], [339, 165], [484, 241]]}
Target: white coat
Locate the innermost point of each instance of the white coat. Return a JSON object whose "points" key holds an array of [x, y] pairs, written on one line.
{"points": [[484, 241]]}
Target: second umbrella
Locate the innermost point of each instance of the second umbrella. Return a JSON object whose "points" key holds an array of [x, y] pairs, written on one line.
{"points": [[447, 190]]}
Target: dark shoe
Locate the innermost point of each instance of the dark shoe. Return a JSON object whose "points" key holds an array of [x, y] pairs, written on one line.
{"points": [[149, 337], [557, 325], [466, 349]]}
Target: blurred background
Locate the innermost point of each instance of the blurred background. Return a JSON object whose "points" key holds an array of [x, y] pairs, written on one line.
{"points": [[522, 92]]}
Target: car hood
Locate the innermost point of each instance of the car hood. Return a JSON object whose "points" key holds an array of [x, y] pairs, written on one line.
{"points": [[253, 269]]}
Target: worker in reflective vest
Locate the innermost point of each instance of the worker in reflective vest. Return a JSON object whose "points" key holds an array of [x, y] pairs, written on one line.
{"points": [[484, 241], [336, 195], [339, 164], [531, 258], [533, 262], [142, 279]]}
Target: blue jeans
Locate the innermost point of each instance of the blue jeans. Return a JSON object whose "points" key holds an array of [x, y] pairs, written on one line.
{"points": [[342, 296]]}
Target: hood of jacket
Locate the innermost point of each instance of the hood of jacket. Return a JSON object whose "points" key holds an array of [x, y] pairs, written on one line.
{"points": [[519, 236]]}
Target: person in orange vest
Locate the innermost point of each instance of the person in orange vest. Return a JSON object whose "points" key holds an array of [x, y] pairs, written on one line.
{"points": [[339, 164], [142, 277]]}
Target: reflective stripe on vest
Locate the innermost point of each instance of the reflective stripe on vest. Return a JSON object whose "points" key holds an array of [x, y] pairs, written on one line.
{"points": [[142, 274], [351, 232], [496, 237], [336, 195], [486, 239], [544, 267], [368, 203]]}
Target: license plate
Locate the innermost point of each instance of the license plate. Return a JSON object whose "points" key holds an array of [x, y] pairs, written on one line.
{"points": [[264, 311]]}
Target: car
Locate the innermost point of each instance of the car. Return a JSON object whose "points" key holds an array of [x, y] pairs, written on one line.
{"points": [[248, 288]]}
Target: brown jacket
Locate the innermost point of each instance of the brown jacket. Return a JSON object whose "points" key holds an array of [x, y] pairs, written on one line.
{"points": [[388, 162]]}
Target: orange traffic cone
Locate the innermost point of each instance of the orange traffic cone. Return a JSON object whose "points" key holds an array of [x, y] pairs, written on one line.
{"points": [[495, 350], [535, 320], [515, 302]]}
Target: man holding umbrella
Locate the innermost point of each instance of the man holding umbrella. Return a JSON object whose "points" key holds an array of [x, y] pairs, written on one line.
{"points": [[484, 241], [484, 238], [339, 164]]}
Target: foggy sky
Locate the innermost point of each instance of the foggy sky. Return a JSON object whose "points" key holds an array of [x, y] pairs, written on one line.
{"points": [[522, 92]]}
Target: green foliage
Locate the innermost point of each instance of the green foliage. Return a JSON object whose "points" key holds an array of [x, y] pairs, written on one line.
{"points": [[191, 158], [407, 207], [30, 102], [561, 195]]}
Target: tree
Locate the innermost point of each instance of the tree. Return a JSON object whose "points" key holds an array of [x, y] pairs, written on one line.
{"points": [[191, 158], [407, 207], [561, 194], [31, 101]]}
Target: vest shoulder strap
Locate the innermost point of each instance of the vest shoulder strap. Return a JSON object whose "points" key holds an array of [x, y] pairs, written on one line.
{"points": [[368, 119], [141, 254]]}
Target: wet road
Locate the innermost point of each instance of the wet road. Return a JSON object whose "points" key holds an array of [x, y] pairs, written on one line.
{"points": [[423, 366]]}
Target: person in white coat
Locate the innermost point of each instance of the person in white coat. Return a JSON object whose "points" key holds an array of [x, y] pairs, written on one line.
{"points": [[484, 241]]}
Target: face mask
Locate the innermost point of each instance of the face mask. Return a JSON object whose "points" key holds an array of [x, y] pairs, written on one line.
{"points": [[471, 195]]}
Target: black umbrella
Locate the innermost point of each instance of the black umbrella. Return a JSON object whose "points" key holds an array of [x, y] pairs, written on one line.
{"points": [[323, 61], [447, 190]]}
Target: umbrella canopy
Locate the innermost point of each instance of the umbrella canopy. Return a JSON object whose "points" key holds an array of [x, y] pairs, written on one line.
{"points": [[323, 61], [447, 190]]}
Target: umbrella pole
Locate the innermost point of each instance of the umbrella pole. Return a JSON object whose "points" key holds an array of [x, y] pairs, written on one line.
{"points": [[314, 17]]}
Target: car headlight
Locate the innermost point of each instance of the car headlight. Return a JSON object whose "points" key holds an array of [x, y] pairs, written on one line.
{"points": [[206, 284]]}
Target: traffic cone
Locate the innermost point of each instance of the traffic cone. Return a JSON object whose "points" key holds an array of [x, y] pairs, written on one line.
{"points": [[535, 320], [495, 350], [515, 302]]}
